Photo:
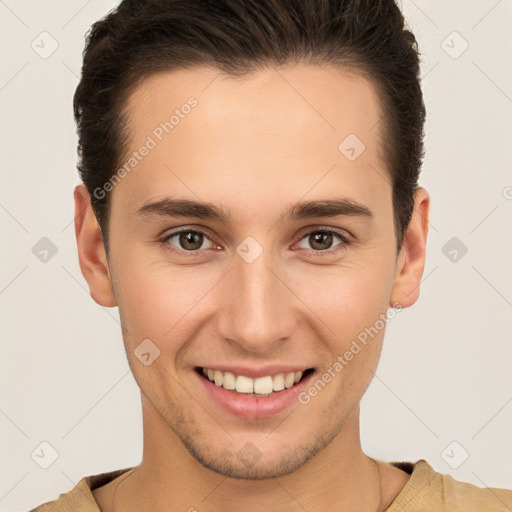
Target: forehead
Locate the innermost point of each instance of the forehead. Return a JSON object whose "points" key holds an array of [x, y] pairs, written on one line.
{"points": [[290, 99], [282, 128]]}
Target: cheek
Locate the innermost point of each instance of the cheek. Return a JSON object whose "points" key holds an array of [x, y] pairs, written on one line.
{"points": [[350, 306], [349, 299], [355, 311], [156, 300]]}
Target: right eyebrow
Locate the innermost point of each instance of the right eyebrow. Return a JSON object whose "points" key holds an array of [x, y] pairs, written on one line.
{"points": [[173, 207]]}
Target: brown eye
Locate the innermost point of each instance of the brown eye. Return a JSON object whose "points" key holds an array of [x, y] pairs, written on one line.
{"points": [[321, 240], [186, 240], [190, 240]]}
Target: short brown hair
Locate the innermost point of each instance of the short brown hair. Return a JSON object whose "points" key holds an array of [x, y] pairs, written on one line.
{"points": [[141, 37]]}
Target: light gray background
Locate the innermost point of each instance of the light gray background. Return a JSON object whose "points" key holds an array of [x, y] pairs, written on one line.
{"points": [[445, 372]]}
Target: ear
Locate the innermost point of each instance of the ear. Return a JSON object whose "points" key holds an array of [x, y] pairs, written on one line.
{"points": [[411, 259], [91, 250]]}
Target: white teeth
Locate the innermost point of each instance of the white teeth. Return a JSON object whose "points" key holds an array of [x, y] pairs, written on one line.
{"points": [[244, 384], [261, 386], [278, 382], [217, 376], [288, 380], [228, 380]]}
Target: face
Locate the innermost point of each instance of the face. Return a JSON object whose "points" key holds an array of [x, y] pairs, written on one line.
{"points": [[264, 281]]}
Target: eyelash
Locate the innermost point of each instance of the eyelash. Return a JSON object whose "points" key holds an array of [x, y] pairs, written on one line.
{"points": [[343, 238]]}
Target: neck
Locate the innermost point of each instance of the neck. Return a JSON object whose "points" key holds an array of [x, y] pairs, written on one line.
{"points": [[340, 476]]}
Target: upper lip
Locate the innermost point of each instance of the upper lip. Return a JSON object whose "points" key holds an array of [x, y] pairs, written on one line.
{"points": [[254, 373]]}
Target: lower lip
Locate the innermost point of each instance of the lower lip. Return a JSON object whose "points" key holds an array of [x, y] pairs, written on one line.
{"points": [[251, 406]]}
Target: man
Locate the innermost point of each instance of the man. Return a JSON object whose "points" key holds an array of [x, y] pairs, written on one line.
{"points": [[251, 205]]}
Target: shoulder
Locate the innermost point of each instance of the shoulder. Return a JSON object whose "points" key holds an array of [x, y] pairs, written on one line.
{"points": [[80, 498], [429, 490], [468, 497]]}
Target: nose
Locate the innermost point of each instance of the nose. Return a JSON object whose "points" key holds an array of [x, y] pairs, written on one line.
{"points": [[260, 307]]}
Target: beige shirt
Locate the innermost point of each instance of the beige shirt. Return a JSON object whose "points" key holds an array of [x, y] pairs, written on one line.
{"points": [[426, 491]]}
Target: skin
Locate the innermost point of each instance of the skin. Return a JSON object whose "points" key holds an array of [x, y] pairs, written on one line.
{"points": [[254, 146]]}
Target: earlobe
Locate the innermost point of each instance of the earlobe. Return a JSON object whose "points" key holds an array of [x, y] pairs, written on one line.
{"points": [[91, 249], [411, 260]]}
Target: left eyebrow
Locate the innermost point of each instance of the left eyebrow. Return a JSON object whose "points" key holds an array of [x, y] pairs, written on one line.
{"points": [[326, 208], [174, 207]]}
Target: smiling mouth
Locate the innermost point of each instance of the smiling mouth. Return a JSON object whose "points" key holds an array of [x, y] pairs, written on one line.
{"points": [[242, 385]]}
